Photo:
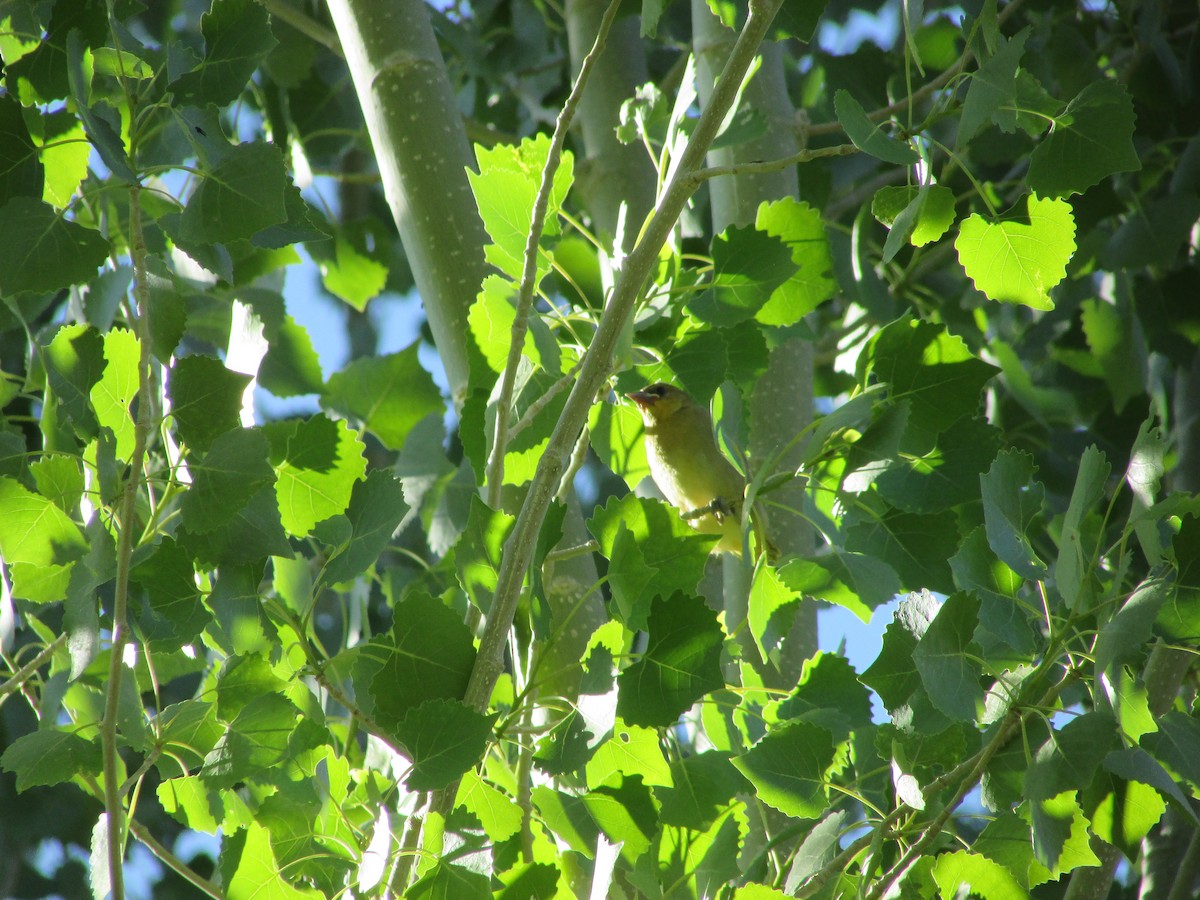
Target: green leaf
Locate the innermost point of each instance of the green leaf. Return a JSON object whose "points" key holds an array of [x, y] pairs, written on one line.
{"points": [[428, 656], [748, 266], [945, 475], [35, 531], [930, 368], [1114, 337], [854, 581], [74, 362], [916, 547], [801, 229], [316, 464], [1017, 262], [191, 802], [681, 663], [206, 399], [479, 550], [60, 480], [48, 756], [491, 319], [564, 748], [567, 818], [43, 251], [815, 852], [22, 172], [629, 751], [114, 392], [666, 543], [1135, 764], [1091, 140], [445, 738], [615, 431], [1003, 615], [949, 670], [234, 469], [243, 680], [1061, 837], [376, 509], [388, 394], [701, 787], [254, 741], [170, 614], [626, 814], [254, 533], [444, 881], [771, 609], [894, 674], [505, 189], [992, 94], [829, 694], [629, 577], [249, 867], [100, 131], [64, 152], [986, 878], [240, 625], [787, 768], [237, 37], [1177, 744], [1069, 758], [1011, 501], [1124, 636], [919, 216], [291, 366], [868, 136], [1075, 567], [496, 811], [241, 195], [351, 273]]}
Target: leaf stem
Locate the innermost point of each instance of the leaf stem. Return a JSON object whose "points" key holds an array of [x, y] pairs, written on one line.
{"points": [[19, 676]]}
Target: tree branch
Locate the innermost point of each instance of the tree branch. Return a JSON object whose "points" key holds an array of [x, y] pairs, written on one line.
{"points": [[516, 346]]}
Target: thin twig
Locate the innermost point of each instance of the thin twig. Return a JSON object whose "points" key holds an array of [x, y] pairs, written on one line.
{"points": [[922, 93], [173, 862], [20, 675], [775, 165], [116, 667], [306, 25], [537, 224]]}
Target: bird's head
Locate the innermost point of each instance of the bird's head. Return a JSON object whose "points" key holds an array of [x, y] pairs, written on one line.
{"points": [[659, 401]]}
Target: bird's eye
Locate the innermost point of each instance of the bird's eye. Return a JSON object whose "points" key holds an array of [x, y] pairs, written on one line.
{"points": [[657, 389]]}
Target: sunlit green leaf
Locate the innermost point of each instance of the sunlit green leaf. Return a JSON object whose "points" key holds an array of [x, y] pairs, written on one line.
{"points": [[505, 188], [787, 769], [1017, 262], [388, 394], [316, 464]]}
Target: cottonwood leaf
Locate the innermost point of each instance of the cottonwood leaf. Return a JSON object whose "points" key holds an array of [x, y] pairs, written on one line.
{"points": [[1019, 262]]}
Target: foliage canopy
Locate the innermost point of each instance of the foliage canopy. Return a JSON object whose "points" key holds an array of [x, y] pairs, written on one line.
{"points": [[381, 645]]}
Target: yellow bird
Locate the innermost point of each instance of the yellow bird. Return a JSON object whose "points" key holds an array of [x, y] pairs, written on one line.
{"points": [[687, 465]]}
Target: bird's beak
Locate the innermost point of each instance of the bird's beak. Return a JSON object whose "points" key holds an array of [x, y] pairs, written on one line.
{"points": [[642, 398]]}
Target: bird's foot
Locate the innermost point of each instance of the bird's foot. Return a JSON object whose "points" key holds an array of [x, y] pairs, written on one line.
{"points": [[719, 508]]}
